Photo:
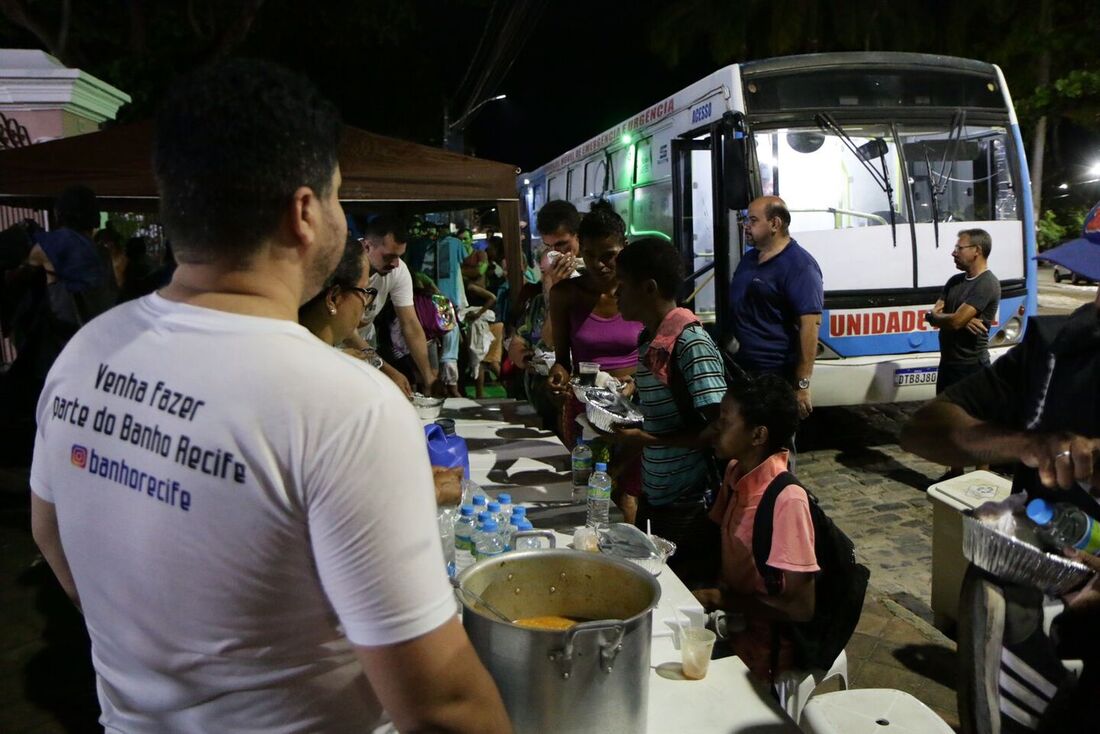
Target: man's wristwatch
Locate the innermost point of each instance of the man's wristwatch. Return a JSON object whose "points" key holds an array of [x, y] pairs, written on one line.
{"points": [[803, 383]]}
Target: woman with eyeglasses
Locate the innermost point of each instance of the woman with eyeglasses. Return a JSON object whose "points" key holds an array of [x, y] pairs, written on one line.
{"points": [[334, 313]]}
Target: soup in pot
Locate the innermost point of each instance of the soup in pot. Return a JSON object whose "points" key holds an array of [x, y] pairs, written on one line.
{"points": [[548, 622]]}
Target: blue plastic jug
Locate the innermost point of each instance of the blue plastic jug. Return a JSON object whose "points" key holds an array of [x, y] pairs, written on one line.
{"points": [[445, 447]]}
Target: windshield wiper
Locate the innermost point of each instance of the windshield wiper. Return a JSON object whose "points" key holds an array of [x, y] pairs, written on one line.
{"points": [[950, 152], [873, 148]]}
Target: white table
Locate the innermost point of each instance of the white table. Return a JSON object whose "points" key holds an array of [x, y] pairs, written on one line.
{"points": [[504, 450]]}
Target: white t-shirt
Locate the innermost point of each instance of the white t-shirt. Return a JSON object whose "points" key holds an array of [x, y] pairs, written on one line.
{"points": [[396, 284], [237, 501]]}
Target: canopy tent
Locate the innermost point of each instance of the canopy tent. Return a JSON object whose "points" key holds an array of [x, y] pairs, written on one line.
{"points": [[378, 173]]}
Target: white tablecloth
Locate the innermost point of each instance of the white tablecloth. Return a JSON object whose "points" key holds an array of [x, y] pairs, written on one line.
{"points": [[505, 452]]}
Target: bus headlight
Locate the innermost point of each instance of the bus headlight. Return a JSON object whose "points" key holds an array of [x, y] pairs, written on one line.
{"points": [[1010, 332]]}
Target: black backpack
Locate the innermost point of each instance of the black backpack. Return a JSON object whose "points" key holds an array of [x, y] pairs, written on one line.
{"points": [[838, 589]]}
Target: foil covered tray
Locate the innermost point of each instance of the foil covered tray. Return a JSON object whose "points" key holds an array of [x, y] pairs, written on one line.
{"points": [[605, 383], [606, 409], [990, 544], [427, 408]]}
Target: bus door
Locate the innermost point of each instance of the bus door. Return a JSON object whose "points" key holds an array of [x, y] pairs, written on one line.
{"points": [[709, 189]]}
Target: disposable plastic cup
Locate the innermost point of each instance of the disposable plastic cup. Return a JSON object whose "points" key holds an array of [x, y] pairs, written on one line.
{"points": [[587, 373], [696, 645]]}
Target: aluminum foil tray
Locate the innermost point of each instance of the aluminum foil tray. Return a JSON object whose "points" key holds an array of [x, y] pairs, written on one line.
{"points": [[606, 409], [581, 391], [1008, 558]]}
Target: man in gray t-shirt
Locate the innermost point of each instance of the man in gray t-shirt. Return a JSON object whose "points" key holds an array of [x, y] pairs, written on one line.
{"points": [[966, 309]]}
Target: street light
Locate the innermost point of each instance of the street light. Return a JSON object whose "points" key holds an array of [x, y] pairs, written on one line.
{"points": [[460, 124], [1095, 170]]}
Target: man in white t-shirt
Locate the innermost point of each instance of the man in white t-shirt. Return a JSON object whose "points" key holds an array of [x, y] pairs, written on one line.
{"points": [[215, 487], [384, 244]]}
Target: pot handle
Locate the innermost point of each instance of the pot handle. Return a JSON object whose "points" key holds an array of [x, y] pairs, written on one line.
{"points": [[548, 534], [608, 651]]}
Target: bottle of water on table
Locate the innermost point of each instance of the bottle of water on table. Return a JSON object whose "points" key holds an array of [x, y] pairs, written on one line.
{"points": [[494, 512], [464, 538], [479, 527], [489, 542], [599, 497], [1064, 525], [582, 465], [526, 543], [505, 501]]}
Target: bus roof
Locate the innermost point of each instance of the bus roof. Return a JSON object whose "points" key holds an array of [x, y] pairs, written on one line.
{"points": [[729, 77]]}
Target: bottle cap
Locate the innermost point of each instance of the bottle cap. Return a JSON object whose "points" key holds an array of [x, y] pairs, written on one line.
{"points": [[479, 499], [1040, 511], [466, 511], [493, 507], [448, 425], [526, 525], [519, 510], [504, 498], [483, 516], [490, 526], [580, 441], [601, 466]]}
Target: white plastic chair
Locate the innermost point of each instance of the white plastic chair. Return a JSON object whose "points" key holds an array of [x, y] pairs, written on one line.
{"points": [[870, 711], [795, 687]]}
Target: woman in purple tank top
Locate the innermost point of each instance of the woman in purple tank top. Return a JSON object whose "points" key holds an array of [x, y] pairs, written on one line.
{"points": [[592, 329]]}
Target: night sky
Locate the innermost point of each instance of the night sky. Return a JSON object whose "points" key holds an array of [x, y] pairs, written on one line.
{"points": [[577, 67]]}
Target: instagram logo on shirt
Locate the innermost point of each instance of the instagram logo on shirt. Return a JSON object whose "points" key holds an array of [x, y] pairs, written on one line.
{"points": [[79, 456]]}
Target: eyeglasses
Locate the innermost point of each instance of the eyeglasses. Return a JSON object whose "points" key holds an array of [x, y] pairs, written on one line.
{"points": [[367, 294], [960, 248]]}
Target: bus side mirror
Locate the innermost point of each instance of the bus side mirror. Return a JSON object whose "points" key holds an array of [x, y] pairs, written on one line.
{"points": [[735, 178]]}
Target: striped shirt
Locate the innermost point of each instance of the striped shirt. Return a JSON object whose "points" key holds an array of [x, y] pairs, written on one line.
{"points": [[668, 472]]}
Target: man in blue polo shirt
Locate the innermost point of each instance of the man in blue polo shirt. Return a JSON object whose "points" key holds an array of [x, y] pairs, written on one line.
{"points": [[776, 297]]}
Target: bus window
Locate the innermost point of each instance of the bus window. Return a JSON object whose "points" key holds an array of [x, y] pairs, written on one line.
{"points": [[825, 185], [622, 168], [594, 171], [652, 210], [963, 177], [643, 162], [555, 187], [569, 191]]}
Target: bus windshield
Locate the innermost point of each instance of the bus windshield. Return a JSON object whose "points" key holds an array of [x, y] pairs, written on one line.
{"points": [[827, 185], [959, 176]]}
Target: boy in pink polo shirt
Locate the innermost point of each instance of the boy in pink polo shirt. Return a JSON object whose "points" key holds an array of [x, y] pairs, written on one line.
{"points": [[757, 420]]}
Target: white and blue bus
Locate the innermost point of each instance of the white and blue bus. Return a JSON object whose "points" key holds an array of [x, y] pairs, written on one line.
{"points": [[881, 157]]}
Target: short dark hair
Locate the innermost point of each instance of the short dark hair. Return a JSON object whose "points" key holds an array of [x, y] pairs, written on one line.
{"points": [[601, 222], [980, 238], [383, 225], [651, 258], [555, 215], [775, 209], [77, 208], [233, 143], [346, 275], [767, 400]]}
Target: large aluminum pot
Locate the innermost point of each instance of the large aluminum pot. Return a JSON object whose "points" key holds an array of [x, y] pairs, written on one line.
{"points": [[592, 677]]}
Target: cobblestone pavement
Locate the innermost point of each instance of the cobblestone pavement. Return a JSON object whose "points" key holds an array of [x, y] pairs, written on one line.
{"points": [[875, 492]]}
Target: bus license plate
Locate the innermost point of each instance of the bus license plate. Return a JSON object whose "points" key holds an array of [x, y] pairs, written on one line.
{"points": [[916, 376]]}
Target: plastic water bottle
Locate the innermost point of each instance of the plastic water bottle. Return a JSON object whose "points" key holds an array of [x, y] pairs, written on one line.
{"points": [[505, 501], [582, 465], [479, 502], [509, 531], [526, 543], [1063, 525], [489, 543], [464, 538], [599, 497], [494, 512], [445, 520], [479, 527], [519, 511]]}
